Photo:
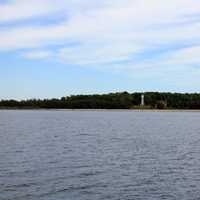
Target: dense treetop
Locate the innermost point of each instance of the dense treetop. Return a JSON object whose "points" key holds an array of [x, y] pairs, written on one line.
{"points": [[123, 100]]}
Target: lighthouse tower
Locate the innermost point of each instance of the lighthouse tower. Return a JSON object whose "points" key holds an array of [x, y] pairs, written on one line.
{"points": [[142, 100]]}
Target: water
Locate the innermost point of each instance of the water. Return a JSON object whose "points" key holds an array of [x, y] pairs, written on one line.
{"points": [[72, 155]]}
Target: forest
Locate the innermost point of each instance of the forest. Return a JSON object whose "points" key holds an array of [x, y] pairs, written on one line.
{"points": [[120, 100]]}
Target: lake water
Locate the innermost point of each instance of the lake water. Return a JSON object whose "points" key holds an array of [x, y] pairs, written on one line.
{"points": [[99, 155]]}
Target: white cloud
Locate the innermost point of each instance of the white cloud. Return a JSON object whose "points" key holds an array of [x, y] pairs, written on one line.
{"points": [[187, 56], [31, 37], [23, 9], [95, 54], [15, 10], [37, 54], [107, 32]]}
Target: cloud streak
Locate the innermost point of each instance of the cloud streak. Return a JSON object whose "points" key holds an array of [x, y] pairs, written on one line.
{"points": [[121, 34]]}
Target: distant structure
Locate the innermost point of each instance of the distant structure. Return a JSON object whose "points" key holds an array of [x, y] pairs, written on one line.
{"points": [[142, 100]]}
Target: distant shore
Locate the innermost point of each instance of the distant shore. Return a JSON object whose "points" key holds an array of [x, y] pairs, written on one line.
{"points": [[153, 101], [101, 110]]}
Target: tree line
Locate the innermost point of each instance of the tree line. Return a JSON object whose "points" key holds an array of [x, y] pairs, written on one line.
{"points": [[122, 100]]}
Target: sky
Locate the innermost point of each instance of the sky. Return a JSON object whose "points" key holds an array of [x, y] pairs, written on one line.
{"points": [[57, 48]]}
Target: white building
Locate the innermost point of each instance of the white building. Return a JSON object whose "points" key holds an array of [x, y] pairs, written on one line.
{"points": [[142, 100]]}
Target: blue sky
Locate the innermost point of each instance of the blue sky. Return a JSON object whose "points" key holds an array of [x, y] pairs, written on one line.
{"points": [[54, 48]]}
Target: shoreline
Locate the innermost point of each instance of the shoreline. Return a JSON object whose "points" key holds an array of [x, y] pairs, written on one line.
{"points": [[100, 110]]}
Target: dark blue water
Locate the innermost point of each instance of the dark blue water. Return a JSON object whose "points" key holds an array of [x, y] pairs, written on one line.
{"points": [[72, 155]]}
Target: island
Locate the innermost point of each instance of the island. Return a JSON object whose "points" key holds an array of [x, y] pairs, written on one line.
{"points": [[119, 100]]}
